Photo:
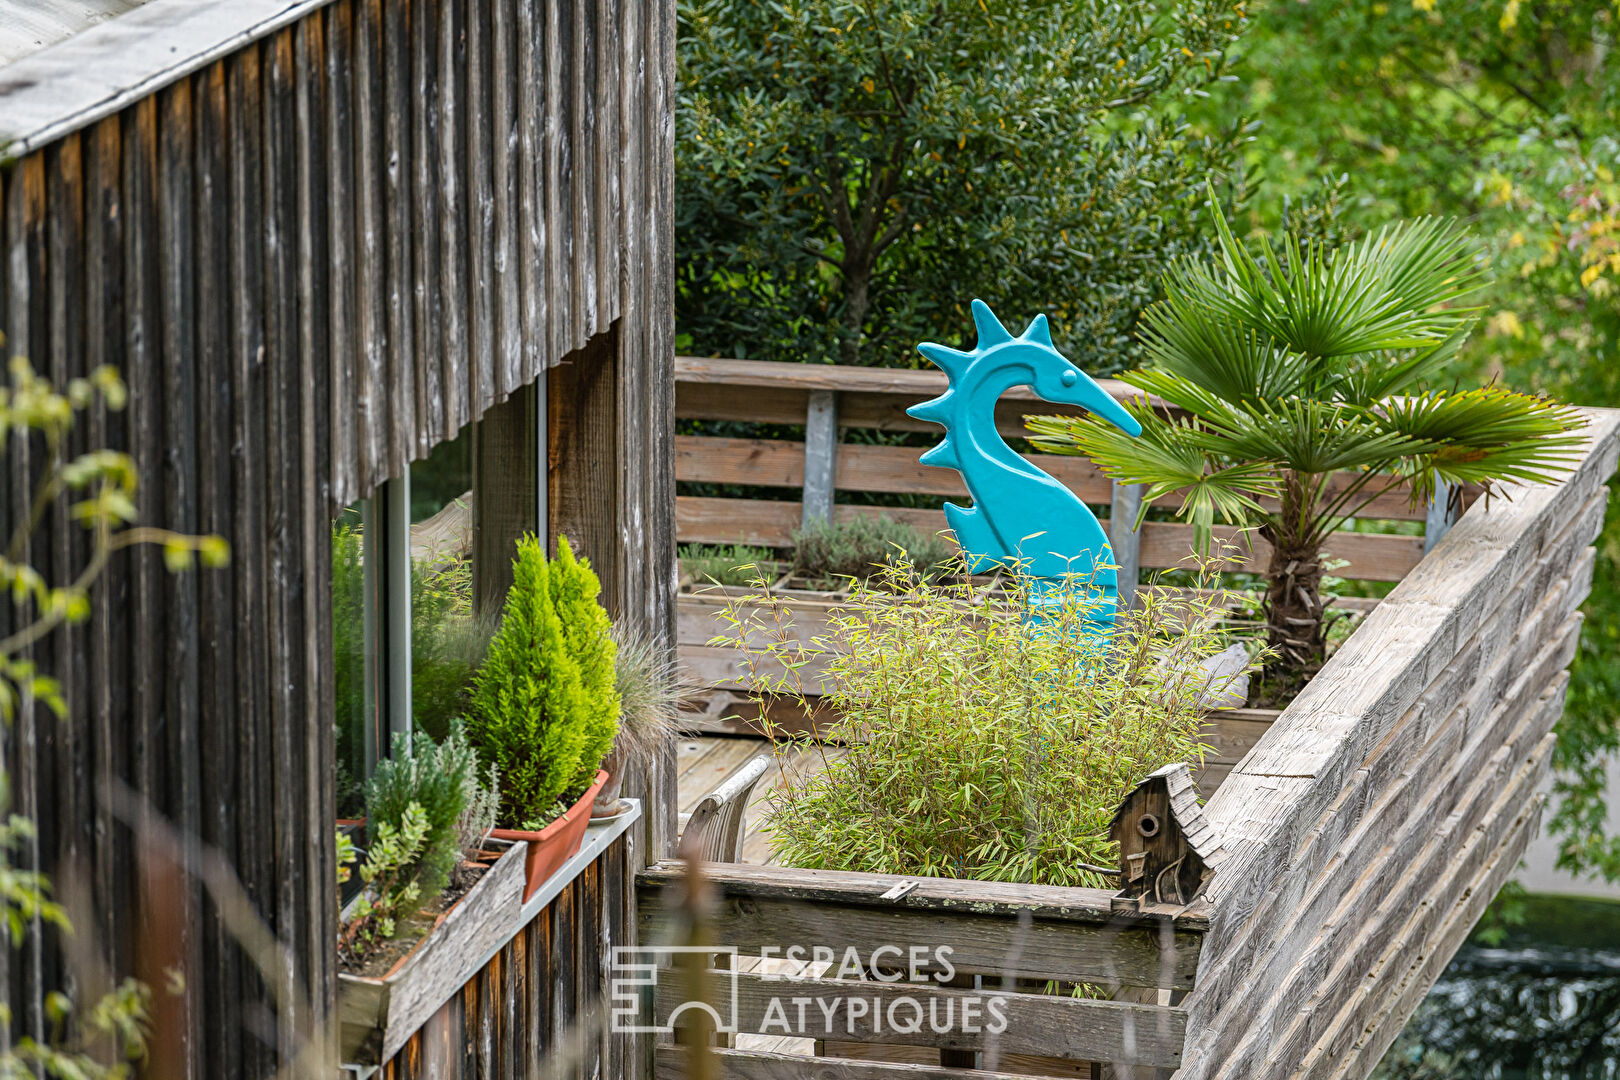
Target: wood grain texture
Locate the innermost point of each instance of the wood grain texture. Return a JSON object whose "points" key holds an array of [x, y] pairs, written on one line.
{"points": [[1059, 1027], [763, 1065], [318, 239]]}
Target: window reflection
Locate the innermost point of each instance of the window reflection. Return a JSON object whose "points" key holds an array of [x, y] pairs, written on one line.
{"points": [[447, 640]]}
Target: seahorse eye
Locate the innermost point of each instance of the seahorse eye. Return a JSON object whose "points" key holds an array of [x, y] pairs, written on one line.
{"points": [[1070, 377]]}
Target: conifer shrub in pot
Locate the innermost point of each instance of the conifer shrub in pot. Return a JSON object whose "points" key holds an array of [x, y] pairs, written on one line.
{"points": [[544, 708]]}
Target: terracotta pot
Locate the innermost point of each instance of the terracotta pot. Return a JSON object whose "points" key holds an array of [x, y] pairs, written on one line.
{"points": [[556, 843]]}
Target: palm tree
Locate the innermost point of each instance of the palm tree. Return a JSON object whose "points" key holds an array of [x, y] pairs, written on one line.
{"points": [[1282, 369]]}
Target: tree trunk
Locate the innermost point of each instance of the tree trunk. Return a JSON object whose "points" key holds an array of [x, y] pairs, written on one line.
{"points": [[1293, 603], [856, 280]]}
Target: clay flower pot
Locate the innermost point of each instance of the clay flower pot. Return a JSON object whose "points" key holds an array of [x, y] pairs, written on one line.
{"points": [[555, 844]]}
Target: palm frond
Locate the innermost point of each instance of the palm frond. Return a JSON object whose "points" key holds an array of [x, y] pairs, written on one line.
{"points": [[1483, 436]]}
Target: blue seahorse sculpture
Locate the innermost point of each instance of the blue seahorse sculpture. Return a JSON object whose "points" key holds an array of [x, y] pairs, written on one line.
{"points": [[1020, 515]]}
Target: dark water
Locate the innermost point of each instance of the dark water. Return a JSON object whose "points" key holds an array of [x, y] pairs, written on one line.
{"points": [[1540, 1002]]}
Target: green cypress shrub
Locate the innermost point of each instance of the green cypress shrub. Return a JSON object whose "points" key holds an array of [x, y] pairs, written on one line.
{"points": [[589, 633], [538, 706]]}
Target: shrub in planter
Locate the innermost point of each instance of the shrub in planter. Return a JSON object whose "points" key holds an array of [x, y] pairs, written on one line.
{"points": [[544, 709], [1297, 365], [834, 552], [438, 781], [979, 746]]}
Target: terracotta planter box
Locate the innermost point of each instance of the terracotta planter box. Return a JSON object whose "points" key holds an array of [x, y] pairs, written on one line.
{"points": [[555, 844], [378, 1015]]}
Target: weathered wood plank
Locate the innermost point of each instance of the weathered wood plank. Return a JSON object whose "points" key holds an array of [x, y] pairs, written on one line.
{"points": [[711, 520], [1072, 935], [374, 367], [866, 1011], [1482, 711], [407, 405], [759, 1065], [348, 410]]}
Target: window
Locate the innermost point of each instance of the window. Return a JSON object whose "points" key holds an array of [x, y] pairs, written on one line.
{"points": [[419, 573]]}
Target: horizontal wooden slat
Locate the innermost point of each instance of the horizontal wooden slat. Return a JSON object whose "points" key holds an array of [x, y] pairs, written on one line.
{"points": [[897, 470], [1072, 935], [918, 383], [709, 520], [672, 1064], [865, 1010]]}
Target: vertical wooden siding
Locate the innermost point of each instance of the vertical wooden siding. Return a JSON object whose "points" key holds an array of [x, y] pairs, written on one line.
{"points": [[313, 258], [541, 1003]]}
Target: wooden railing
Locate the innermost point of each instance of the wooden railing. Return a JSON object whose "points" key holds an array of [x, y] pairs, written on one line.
{"points": [[825, 399], [1003, 941]]}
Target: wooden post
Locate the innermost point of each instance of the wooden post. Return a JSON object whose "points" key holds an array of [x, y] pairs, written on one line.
{"points": [[583, 467], [1440, 518], [820, 456], [1124, 503], [504, 504]]}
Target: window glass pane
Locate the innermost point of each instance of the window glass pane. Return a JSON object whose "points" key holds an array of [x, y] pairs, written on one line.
{"points": [[349, 660], [447, 642]]}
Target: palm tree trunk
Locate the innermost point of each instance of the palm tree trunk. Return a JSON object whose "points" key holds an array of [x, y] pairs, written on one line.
{"points": [[1293, 603]]}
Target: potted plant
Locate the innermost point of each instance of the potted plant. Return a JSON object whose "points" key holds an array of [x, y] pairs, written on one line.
{"points": [[651, 688], [1290, 367], [435, 892], [544, 706]]}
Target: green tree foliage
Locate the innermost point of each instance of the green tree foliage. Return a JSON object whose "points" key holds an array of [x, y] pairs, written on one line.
{"points": [[533, 715], [849, 175], [1501, 112], [1297, 365]]}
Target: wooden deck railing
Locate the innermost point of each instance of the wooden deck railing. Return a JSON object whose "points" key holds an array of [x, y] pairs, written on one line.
{"points": [[1365, 830], [825, 399]]}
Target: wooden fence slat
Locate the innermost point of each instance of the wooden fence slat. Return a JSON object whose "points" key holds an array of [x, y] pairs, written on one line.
{"points": [[383, 452], [671, 1064], [864, 1010], [455, 380], [1071, 936], [503, 135], [426, 221], [711, 520]]}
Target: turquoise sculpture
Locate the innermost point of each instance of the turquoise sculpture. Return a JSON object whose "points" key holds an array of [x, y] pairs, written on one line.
{"points": [[1020, 516]]}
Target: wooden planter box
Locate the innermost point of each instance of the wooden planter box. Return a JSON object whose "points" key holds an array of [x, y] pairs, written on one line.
{"points": [[377, 1015], [1363, 831]]}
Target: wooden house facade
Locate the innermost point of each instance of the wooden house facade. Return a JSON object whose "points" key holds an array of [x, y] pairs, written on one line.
{"points": [[319, 239]]}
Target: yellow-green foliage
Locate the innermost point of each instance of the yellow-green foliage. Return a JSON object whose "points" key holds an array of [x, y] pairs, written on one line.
{"points": [[979, 746], [541, 711], [589, 633]]}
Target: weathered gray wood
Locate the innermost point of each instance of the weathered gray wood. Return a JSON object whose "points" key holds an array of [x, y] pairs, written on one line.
{"points": [[714, 831], [1125, 538], [1052, 1026], [1382, 1028], [1071, 933], [1439, 516], [820, 457], [761, 1065], [1476, 696], [379, 1014], [1295, 785]]}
